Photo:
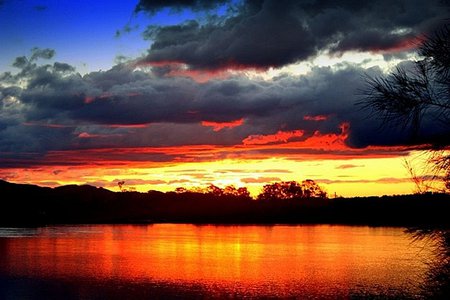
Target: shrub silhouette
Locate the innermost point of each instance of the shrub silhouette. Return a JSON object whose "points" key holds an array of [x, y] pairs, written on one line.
{"points": [[292, 190]]}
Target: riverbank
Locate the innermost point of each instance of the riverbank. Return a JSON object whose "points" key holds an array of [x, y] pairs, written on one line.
{"points": [[30, 205]]}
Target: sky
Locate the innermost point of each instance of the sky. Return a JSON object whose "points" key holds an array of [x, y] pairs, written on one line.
{"points": [[162, 94]]}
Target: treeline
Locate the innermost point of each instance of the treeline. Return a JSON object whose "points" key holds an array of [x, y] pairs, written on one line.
{"points": [[30, 205], [278, 190]]}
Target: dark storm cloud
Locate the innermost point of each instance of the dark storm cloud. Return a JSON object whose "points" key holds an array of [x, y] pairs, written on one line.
{"points": [[41, 53], [271, 33], [63, 67], [49, 107], [153, 6]]}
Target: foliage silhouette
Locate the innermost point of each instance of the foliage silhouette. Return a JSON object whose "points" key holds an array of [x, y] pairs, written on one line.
{"points": [[28, 205], [292, 190], [408, 98], [229, 190], [437, 280]]}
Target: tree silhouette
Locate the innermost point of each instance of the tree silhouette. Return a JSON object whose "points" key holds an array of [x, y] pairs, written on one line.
{"points": [[243, 192], [291, 190], [214, 190], [229, 190], [120, 184], [406, 98], [181, 190], [312, 190]]}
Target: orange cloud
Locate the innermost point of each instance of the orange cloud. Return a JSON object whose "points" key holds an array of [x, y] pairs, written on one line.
{"points": [[217, 126], [282, 145], [386, 180], [260, 180], [280, 136], [348, 166], [328, 141]]}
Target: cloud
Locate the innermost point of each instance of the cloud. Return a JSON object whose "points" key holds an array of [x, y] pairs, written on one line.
{"points": [[153, 6], [37, 53], [137, 181], [47, 110], [179, 181], [260, 179], [276, 171], [384, 180], [280, 136], [63, 67], [85, 135], [349, 166], [317, 118], [271, 33], [217, 126]]}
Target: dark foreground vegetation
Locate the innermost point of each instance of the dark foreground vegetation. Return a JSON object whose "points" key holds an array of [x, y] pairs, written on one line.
{"points": [[414, 100], [26, 205]]}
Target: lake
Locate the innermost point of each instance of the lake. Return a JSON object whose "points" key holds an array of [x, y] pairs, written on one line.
{"points": [[188, 261]]}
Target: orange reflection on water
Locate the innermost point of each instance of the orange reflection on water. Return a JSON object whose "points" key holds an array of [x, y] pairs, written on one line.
{"points": [[268, 260]]}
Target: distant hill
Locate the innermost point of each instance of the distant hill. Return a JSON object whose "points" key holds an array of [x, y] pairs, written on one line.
{"points": [[30, 205]]}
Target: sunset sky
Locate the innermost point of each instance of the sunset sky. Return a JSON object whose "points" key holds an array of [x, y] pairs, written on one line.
{"points": [[162, 94]]}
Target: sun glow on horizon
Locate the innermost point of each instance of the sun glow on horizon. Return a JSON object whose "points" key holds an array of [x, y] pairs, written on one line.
{"points": [[341, 177]]}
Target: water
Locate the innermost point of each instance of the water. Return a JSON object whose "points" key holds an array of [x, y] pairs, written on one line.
{"points": [[188, 261]]}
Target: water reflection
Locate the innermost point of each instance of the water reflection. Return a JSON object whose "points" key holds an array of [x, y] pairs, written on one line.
{"points": [[235, 261], [437, 283]]}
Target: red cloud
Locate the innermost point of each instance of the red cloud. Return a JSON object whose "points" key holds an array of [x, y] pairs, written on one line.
{"points": [[403, 45], [318, 146], [86, 135], [280, 136], [201, 76], [315, 118], [144, 125], [329, 141], [179, 68], [217, 126], [88, 99]]}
